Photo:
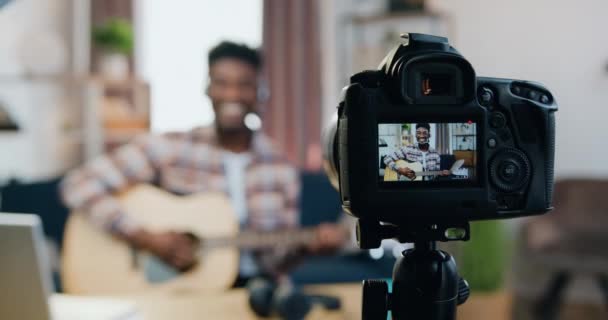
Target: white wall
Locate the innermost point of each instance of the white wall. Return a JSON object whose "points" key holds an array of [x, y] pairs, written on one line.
{"points": [[172, 48], [27, 26], [23, 22], [560, 43], [556, 42], [330, 12]]}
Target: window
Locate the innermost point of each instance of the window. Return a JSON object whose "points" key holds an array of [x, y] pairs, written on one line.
{"points": [[173, 39]]}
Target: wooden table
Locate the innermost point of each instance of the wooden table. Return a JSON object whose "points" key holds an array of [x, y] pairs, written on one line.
{"points": [[233, 304]]}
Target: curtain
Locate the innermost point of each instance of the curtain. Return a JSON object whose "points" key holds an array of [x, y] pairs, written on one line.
{"points": [[443, 138], [292, 114]]}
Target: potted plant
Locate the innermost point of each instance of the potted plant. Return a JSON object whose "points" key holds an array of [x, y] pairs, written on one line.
{"points": [[115, 39], [483, 262]]}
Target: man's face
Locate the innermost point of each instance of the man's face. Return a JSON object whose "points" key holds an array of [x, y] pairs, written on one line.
{"points": [[422, 135], [233, 92]]}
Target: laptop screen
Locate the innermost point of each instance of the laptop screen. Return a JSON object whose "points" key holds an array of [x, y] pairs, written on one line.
{"points": [[25, 272]]}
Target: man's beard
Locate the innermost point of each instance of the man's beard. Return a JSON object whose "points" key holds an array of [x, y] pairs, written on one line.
{"points": [[230, 117], [424, 145]]}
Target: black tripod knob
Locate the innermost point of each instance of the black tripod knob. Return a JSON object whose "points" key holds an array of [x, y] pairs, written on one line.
{"points": [[368, 234], [463, 291], [375, 299]]}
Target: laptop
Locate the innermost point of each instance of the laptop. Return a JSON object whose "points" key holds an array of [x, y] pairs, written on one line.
{"points": [[25, 279]]}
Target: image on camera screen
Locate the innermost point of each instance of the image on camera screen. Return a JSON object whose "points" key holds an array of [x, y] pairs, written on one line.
{"points": [[427, 152]]}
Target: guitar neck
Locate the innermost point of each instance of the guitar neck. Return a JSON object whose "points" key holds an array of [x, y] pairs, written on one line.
{"points": [[428, 173], [252, 240]]}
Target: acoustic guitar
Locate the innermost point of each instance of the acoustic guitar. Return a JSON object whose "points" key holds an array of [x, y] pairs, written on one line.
{"points": [[392, 175], [96, 263]]}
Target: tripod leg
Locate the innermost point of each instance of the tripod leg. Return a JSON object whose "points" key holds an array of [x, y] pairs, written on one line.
{"points": [[603, 282], [547, 307]]}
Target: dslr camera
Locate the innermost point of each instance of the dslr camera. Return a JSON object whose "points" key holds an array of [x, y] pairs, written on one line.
{"points": [[422, 146]]}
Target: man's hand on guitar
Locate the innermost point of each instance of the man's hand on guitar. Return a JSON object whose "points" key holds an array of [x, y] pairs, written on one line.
{"points": [[445, 173], [409, 173], [176, 249], [329, 238]]}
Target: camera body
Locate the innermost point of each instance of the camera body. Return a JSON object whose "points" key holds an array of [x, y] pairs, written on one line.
{"points": [[423, 141]]}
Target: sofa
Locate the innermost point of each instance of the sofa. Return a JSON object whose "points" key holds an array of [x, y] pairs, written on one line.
{"points": [[561, 265]]}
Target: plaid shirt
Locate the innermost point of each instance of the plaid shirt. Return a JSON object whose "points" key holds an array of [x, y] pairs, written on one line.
{"points": [[414, 154], [184, 163]]}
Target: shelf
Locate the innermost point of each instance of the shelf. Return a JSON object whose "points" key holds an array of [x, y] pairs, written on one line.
{"points": [[9, 128], [359, 20], [129, 82], [72, 78], [136, 123], [26, 77]]}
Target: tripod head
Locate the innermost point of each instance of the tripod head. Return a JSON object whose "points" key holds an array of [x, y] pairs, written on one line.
{"points": [[426, 284], [370, 233]]}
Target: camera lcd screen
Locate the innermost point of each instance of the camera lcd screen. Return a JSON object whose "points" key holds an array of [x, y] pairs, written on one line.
{"points": [[422, 153]]}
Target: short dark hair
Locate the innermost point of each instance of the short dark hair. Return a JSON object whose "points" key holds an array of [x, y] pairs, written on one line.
{"points": [[423, 125], [228, 49]]}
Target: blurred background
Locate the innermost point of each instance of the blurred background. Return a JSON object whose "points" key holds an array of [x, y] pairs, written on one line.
{"points": [[80, 77]]}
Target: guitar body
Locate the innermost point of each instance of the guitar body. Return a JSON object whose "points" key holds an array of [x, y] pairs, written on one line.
{"points": [[392, 175], [96, 263]]}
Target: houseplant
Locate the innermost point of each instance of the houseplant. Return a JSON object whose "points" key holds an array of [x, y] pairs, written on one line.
{"points": [[115, 40], [483, 262]]}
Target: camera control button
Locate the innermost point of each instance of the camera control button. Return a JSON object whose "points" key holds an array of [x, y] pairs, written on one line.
{"points": [[510, 170], [486, 96], [492, 143], [545, 99], [516, 90], [506, 201], [497, 120]]}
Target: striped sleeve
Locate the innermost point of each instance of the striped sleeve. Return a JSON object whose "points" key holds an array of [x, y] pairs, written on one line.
{"points": [[281, 259], [290, 217], [390, 159], [436, 163], [91, 188], [403, 153]]}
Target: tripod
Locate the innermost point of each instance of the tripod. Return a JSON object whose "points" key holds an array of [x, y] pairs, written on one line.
{"points": [[426, 284]]}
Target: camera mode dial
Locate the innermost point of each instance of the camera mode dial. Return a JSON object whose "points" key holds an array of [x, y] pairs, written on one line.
{"points": [[510, 170]]}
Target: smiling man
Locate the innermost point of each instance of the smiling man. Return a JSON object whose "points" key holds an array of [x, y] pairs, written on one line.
{"points": [[421, 153], [226, 157]]}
